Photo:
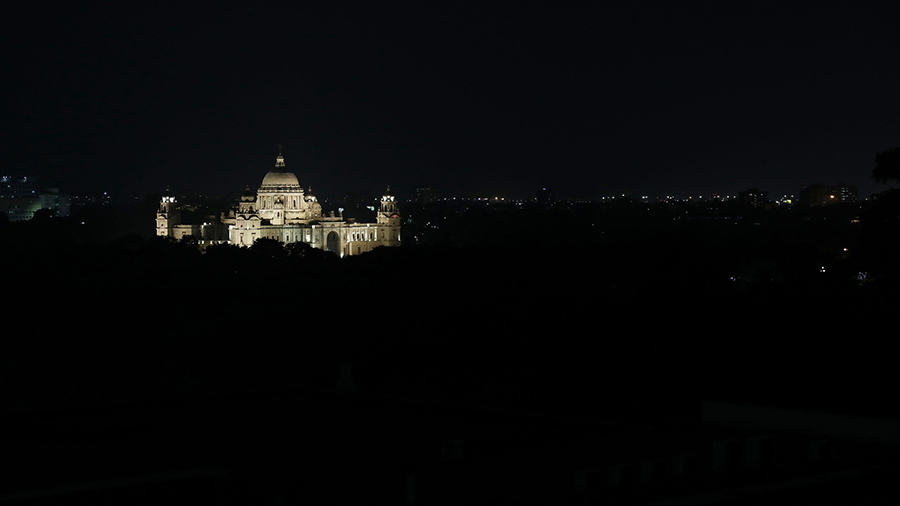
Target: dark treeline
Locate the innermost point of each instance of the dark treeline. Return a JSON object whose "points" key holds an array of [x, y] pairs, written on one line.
{"points": [[573, 308]]}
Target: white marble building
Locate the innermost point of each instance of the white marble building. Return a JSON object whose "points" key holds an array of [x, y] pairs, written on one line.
{"points": [[283, 211]]}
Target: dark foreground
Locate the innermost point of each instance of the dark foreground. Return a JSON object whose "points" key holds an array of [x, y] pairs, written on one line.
{"points": [[501, 353]]}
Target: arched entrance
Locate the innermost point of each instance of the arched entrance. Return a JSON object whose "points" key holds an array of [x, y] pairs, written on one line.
{"points": [[333, 242]]}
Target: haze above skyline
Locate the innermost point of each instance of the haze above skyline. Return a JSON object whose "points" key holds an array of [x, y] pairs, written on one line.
{"points": [[649, 98]]}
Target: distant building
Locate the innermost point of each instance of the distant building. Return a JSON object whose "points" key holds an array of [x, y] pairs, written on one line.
{"points": [[818, 195], [424, 195], [283, 211], [59, 203], [844, 193], [753, 198], [21, 197]]}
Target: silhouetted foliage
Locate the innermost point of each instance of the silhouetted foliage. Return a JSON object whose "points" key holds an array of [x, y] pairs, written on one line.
{"points": [[299, 250], [42, 215], [887, 166], [223, 255], [522, 307], [268, 248], [879, 242]]}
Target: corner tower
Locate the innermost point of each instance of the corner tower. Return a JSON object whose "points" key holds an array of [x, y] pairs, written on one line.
{"points": [[388, 219], [167, 216]]}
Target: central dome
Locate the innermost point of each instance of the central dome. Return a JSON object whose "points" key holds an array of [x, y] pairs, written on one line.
{"points": [[279, 176]]}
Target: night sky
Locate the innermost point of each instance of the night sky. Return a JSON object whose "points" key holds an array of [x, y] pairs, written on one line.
{"points": [[472, 99]]}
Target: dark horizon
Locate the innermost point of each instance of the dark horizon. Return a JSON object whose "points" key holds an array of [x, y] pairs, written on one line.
{"points": [[647, 99]]}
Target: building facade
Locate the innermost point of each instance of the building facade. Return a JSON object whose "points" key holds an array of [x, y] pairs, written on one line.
{"points": [[21, 197], [754, 198], [281, 210], [818, 195]]}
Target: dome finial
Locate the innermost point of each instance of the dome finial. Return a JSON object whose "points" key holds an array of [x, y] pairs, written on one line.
{"points": [[279, 160]]}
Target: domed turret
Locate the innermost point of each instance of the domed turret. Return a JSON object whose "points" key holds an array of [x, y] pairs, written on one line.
{"points": [[248, 202], [388, 212]]}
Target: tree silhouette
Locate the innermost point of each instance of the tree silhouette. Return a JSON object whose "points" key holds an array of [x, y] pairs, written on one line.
{"points": [[43, 215], [887, 166], [298, 249], [268, 248]]}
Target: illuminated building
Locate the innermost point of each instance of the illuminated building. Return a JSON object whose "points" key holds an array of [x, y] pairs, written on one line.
{"points": [[818, 195], [21, 197], [424, 195], [754, 198], [283, 211]]}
